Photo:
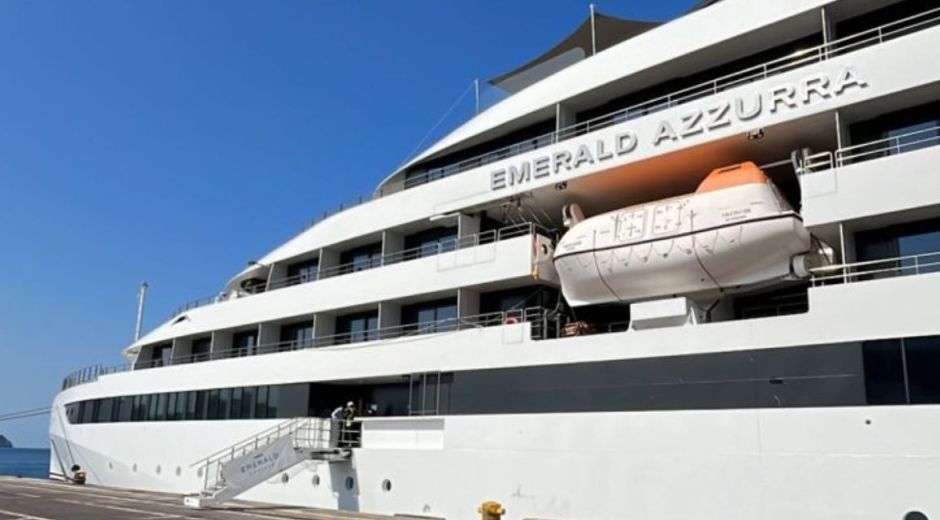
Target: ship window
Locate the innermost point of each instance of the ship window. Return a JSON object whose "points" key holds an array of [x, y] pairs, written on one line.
{"points": [[236, 406], [361, 258], [430, 242], [922, 356], [296, 336], [171, 406], [225, 403], [195, 406], [201, 348], [431, 316], [160, 355], [152, 407], [884, 372], [272, 405], [248, 402], [161, 406], [261, 402], [302, 272], [245, 343], [900, 241], [212, 409], [354, 328]]}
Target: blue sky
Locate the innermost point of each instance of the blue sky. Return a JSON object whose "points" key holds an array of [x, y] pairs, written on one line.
{"points": [[174, 141]]}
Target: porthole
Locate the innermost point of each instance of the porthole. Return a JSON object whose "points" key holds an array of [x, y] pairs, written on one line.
{"points": [[350, 483], [285, 478], [386, 485], [179, 471], [315, 480], [134, 468], [159, 469], [915, 515]]}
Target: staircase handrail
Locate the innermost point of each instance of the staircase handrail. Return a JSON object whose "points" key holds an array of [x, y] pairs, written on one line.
{"points": [[288, 427]]}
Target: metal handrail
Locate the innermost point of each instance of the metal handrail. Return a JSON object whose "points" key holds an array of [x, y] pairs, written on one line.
{"points": [[444, 246], [874, 269], [894, 145], [532, 315], [867, 38]]}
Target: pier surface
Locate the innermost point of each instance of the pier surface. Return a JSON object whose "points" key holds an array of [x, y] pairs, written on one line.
{"points": [[29, 499]]}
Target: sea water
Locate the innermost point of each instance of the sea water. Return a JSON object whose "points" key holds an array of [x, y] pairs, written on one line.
{"points": [[24, 462]]}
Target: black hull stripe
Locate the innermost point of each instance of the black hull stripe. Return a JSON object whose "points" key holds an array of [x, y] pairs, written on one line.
{"points": [[789, 214]]}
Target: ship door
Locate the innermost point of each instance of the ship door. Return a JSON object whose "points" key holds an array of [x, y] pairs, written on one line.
{"points": [[424, 393]]}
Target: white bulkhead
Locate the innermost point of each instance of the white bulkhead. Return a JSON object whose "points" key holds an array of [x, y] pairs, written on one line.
{"points": [[735, 232]]}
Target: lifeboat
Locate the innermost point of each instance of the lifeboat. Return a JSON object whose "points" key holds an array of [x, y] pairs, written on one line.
{"points": [[734, 233]]}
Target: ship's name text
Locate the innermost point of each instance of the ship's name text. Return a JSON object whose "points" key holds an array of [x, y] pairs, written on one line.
{"points": [[698, 121]]}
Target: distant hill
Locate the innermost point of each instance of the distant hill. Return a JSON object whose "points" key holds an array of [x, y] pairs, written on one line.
{"points": [[5, 443]]}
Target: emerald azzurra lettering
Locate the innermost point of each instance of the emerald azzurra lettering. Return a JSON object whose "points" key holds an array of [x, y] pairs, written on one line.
{"points": [[720, 114], [563, 160]]}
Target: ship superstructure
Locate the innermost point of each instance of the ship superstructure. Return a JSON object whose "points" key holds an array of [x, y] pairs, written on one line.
{"points": [[685, 270]]}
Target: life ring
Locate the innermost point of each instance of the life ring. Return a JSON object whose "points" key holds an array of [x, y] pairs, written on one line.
{"points": [[510, 320]]}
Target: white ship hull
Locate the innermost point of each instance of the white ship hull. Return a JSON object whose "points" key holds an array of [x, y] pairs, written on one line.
{"points": [[842, 463]]}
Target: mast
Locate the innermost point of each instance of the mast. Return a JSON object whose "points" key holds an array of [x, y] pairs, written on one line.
{"points": [[141, 296]]}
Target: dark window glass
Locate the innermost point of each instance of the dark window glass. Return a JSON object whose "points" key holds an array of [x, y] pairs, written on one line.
{"points": [[152, 411], [248, 402], [430, 242], [161, 355], [261, 403], [295, 336], [302, 272], [273, 400], [884, 372], [225, 402], [213, 406], [923, 369], [896, 132], [245, 343], [361, 258], [434, 316], [171, 406], [236, 406], [161, 406], [354, 328], [201, 349], [199, 409]]}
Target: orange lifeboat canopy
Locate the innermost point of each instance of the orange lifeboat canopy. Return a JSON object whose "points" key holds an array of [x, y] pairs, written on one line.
{"points": [[731, 176]]}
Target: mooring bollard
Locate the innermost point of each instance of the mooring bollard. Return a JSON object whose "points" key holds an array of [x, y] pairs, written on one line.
{"points": [[491, 511]]}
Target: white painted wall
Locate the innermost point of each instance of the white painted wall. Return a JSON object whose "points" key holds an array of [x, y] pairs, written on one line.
{"points": [[880, 186]]}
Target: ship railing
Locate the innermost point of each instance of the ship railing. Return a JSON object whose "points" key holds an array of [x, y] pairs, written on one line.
{"points": [[91, 374], [877, 269], [838, 47], [535, 316], [415, 253], [889, 146], [443, 246], [894, 145]]}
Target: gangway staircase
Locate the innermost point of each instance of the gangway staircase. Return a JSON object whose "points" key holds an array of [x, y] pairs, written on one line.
{"points": [[249, 462]]}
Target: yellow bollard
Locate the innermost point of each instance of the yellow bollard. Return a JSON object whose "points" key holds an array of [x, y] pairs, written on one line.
{"points": [[491, 510]]}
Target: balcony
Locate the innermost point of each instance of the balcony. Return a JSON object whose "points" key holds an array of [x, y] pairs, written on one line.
{"points": [[872, 179], [543, 323], [396, 257]]}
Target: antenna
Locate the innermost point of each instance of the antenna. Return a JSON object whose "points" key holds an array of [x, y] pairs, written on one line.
{"points": [[141, 296], [591, 7]]}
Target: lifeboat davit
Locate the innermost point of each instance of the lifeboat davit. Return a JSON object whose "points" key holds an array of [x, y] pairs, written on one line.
{"points": [[734, 233]]}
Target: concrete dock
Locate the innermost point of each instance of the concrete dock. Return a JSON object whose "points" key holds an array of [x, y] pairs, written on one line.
{"points": [[29, 499]]}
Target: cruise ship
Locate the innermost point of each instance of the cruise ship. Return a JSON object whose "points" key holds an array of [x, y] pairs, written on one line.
{"points": [[679, 270]]}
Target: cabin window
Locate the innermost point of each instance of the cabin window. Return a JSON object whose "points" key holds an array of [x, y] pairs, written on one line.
{"points": [[884, 372], [922, 360], [901, 242], [261, 402], [201, 348], [433, 316], [296, 336], [361, 258], [908, 130], [354, 328], [431, 242], [160, 354], [245, 343], [303, 272]]}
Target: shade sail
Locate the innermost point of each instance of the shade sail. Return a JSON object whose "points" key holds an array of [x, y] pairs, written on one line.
{"points": [[608, 31]]}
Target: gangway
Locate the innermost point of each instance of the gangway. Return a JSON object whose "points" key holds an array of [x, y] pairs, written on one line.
{"points": [[236, 469]]}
